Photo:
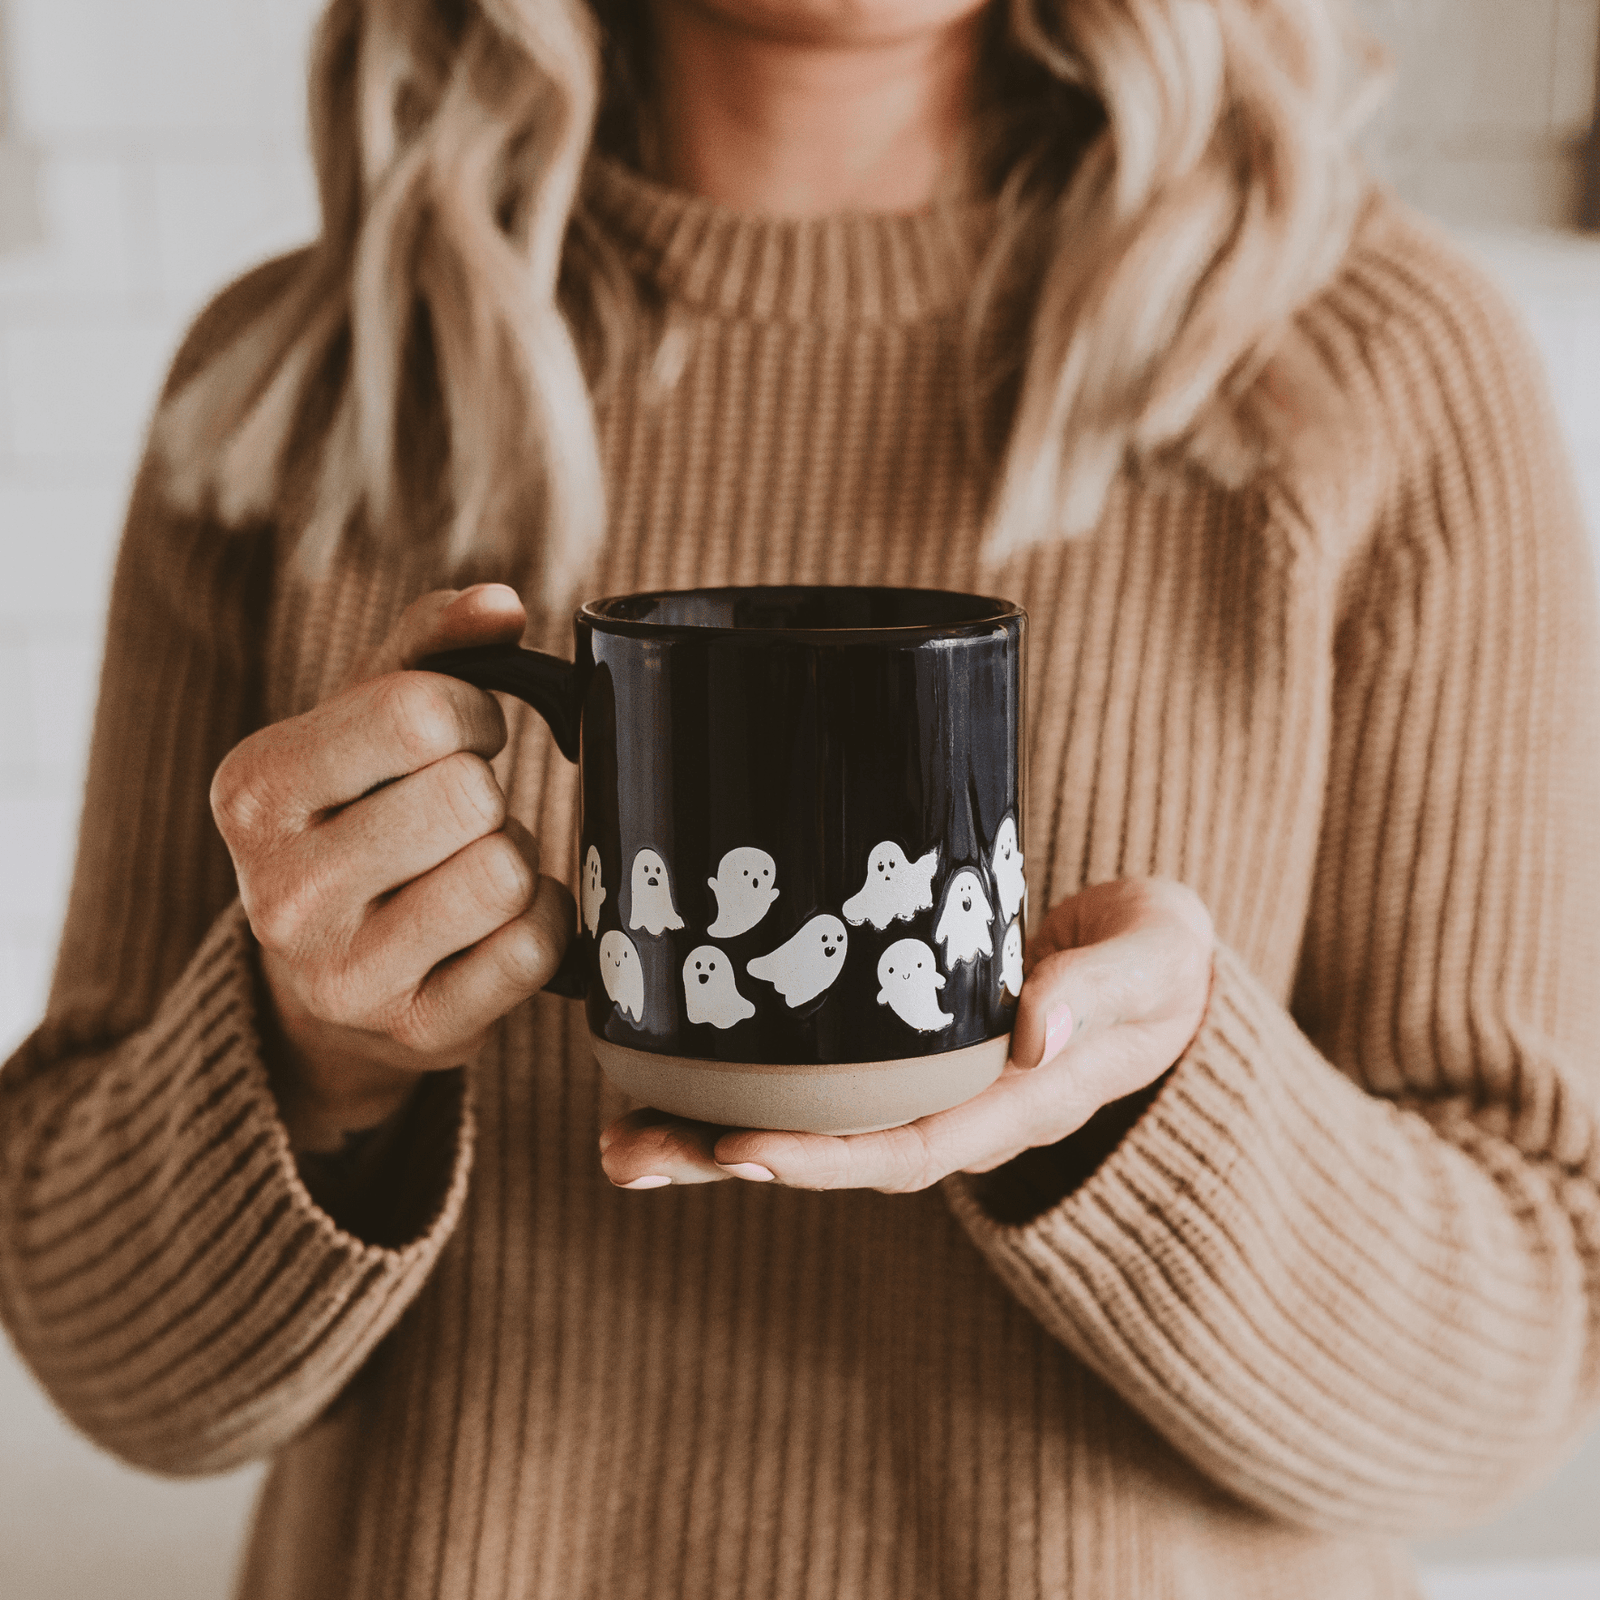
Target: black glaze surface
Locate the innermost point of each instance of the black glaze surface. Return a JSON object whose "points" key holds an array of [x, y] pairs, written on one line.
{"points": [[814, 726]]}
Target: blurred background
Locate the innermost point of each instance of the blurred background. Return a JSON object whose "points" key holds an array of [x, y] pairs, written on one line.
{"points": [[150, 150]]}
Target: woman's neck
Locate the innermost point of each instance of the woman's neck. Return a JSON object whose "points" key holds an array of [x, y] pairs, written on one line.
{"points": [[793, 121]]}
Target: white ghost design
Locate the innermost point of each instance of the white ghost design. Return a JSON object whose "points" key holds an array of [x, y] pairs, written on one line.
{"points": [[911, 983], [895, 890], [746, 884], [652, 895], [1011, 960], [805, 965], [964, 925], [594, 891], [709, 992], [1007, 867], [622, 974]]}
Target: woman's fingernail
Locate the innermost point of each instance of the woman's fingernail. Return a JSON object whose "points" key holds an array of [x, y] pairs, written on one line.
{"points": [[1057, 1030], [653, 1181], [749, 1170]]}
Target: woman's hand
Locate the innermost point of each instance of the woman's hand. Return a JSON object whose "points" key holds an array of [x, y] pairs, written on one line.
{"points": [[1117, 982], [399, 910]]}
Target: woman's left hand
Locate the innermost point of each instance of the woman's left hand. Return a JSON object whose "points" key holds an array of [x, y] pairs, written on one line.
{"points": [[1117, 982]]}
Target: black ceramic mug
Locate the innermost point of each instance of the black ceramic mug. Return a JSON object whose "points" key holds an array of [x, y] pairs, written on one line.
{"points": [[801, 886]]}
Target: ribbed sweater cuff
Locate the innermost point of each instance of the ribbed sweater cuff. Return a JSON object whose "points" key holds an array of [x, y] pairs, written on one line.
{"points": [[172, 1280], [1265, 1218], [1099, 1263]]}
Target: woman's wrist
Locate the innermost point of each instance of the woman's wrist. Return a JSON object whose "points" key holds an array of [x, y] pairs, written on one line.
{"points": [[1039, 1179], [374, 1150], [328, 1095]]}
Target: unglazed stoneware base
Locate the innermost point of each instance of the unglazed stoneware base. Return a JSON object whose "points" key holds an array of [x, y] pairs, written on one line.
{"points": [[855, 1097]]}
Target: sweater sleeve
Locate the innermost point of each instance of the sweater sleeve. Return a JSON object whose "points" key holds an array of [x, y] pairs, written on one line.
{"points": [[1348, 1259], [163, 1269]]}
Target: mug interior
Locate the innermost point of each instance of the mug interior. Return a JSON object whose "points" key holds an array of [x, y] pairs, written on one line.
{"points": [[799, 610]]}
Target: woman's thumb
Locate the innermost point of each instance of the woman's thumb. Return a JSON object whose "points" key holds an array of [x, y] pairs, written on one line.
{"points": [[448, 619]]}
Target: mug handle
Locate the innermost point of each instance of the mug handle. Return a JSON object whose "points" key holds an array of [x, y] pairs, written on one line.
{"points": [[547, 683], [551, 686]]}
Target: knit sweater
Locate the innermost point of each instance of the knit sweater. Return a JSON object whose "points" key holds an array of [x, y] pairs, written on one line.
{"points": [[1338, 1282]]}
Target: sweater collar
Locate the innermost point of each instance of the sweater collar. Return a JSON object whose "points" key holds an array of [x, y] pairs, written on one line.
{"points": [[872, 267]]}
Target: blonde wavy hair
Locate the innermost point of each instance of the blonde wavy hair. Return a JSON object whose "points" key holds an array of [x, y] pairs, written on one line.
{"points": [[1174, 179]]}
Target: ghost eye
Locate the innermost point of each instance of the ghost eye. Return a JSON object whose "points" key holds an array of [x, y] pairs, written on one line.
{"points": [[711, 966]]}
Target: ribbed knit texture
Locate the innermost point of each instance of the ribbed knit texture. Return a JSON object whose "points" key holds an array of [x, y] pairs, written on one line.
{"points": [[1339, 1282]]}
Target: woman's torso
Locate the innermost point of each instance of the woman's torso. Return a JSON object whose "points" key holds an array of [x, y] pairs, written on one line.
{"points": [[743, 1391]]}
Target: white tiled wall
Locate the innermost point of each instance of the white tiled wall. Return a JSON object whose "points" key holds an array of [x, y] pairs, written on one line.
{"points": [[1493, 104], [156, 149], [151, 149]]}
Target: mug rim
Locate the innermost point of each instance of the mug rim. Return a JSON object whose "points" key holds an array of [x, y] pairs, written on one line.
{"points": [[993, 612]]}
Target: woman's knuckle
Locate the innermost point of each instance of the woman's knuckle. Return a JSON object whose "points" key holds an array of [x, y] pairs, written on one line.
{"points": [[658, 1145], [274, 921], [528, 954], [1189, 960], [473, 794], [420, 715], [332, 993], [506, 880], [279, 909], [1184, 905], [301, 898], [917, 1159], [238, 800]]}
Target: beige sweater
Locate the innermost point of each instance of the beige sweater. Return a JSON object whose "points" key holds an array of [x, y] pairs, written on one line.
{"points": [[1339, 1283]]}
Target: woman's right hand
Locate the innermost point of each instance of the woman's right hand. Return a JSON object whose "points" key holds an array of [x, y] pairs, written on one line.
{"points": [[399, 910]]}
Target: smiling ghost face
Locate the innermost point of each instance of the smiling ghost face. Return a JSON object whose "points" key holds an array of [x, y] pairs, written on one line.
{"points": [[1011, 960], [910, 983], [622, 974], [1006, 863], [652, 909], [745, 885]]}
